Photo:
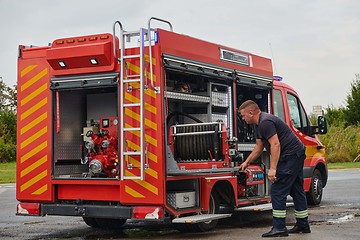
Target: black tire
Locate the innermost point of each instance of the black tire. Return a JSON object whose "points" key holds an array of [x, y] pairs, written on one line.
{"points": [[107, 223], [213, 208], [204, 226], [91, 222], [314, 195]]}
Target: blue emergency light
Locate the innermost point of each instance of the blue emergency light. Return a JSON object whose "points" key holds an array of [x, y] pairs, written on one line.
{"points": [[156, 37], [278, 78]]}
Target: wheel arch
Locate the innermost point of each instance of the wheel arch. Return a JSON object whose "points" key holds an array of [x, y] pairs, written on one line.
{"points": [[324, 172], [226, 195]]}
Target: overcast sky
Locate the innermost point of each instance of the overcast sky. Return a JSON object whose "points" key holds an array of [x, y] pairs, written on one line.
{"points": [[315, 43]]}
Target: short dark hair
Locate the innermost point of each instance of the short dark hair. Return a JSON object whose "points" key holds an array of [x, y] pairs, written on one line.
{"points": [[249, 104]]}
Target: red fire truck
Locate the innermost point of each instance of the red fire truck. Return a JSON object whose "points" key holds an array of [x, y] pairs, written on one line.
{"points": [[143, 125]]}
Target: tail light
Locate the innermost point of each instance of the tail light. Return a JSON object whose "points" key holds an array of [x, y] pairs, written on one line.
{"points": [[148, 212], [28, 209]]}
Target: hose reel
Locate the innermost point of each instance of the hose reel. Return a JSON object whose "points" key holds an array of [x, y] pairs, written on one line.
{"points": [[197, 142]]}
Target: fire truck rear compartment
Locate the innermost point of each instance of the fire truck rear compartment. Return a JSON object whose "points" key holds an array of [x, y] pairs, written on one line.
{"points": [[197, 106], [196, 98], [75, 111]]}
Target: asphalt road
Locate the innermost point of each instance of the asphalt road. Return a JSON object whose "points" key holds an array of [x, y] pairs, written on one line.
{"points": [[338, 217]]}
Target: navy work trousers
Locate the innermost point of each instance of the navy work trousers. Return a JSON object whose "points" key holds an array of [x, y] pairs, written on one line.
{"points": [[289, 180]]}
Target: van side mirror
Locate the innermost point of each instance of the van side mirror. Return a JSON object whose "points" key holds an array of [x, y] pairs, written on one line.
{"points": [[322, 125]]}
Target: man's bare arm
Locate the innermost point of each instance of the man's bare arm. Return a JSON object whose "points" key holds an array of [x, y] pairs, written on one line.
{"points": [[274, 156], [258, 149]]}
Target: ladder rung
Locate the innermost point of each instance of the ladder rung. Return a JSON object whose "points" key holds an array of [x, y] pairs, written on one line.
{"points": [[131, 56], [131, 80], [132, 129], [132, 33], [131, 153], [132, 177], [133, 76], [131, 105]]}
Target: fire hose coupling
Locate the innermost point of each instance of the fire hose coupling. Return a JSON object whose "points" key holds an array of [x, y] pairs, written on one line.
{"points": [[95, 166], [89, 144]]}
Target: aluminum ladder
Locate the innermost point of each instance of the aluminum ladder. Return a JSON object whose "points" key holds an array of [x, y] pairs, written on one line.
{"points": [[124, 81], [145, 38]]}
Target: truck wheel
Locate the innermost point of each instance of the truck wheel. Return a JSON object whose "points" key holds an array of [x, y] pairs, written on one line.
{"points": [[314, 195], [204, 226], [106, 223], [91, 222], [213, 209]]}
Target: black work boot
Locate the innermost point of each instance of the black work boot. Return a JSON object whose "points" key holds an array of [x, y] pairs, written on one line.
{"points": [[276, 233], [300, 229]]}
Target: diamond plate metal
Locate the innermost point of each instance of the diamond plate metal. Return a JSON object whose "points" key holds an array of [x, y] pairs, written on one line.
{"points": [[187, 97]]}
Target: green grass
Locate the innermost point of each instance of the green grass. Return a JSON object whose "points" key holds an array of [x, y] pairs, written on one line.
{"points": [[342, 144], [7, 172], [343, 165]]}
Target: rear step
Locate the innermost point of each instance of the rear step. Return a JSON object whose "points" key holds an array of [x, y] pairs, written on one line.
{"points": [[200, 218], [208, 217], [259, 208]]}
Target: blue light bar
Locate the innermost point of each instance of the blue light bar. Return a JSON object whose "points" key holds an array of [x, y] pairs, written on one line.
{"points": [[278, 78], [156, 37]]}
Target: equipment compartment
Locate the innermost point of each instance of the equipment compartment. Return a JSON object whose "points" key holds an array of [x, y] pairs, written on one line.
{"points": [[76, 111], [180, 200]]}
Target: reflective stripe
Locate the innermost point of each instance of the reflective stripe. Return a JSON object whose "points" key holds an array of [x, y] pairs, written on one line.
{"points": [[301, 214], [279, 213]]}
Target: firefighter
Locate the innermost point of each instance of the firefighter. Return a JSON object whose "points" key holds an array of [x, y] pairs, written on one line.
{"points": [[287, 155]]}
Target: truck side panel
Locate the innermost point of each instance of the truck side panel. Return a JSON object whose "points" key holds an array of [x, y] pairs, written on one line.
{"points": [[151, 189], [206, 52], [34, 128]]}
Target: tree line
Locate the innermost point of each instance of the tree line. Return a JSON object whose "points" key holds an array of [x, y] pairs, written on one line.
{"points": [[343, 138], [349, 115], [8, 98]]}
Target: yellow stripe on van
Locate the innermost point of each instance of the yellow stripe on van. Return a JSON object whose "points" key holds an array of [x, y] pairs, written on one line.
{"points": [[134, 99], [33, 152], [136, 116], [33, 137], [33, 166], [33, 94], [149, 171], [41, 190], [27, 70], [33, 180], [34, 79], [33, 109], [133, 193], [33, 123], [144, 184], [136, 147], [148, 138]]}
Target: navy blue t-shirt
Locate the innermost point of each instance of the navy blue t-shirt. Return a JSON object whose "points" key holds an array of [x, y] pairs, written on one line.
{"points": [[269, 125]]}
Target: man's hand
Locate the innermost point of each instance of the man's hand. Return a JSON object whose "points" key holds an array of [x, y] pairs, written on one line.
{"points": [[271, 175], [243, 166]]}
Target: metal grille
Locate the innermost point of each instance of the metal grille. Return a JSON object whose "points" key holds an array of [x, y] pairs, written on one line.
{"points": [[70, 170], [69, 139], [220, 99]]}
